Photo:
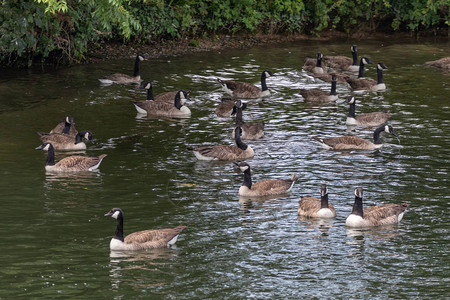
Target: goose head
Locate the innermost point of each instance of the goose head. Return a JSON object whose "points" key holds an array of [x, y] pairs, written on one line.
{"points": [[141, 57], [365, 60], [69, 120], [114, 213], [381, 66], [243, 166], [333, 78], [84, 134], [319, 55], [350, 99], [45, 147], [182, 94], [390, 129], [323, 190], [354, 48], [267, 73], [146, 85], [359, 192]]}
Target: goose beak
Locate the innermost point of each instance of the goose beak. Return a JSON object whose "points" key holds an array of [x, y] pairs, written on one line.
{"points": [[39, 148], [237, 164], [109, 214]]}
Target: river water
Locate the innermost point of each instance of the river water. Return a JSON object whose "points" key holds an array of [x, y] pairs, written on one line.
{"points": [[55, 239]]}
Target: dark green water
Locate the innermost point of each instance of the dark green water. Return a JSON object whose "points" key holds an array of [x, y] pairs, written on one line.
{"points": [[55, 240]]}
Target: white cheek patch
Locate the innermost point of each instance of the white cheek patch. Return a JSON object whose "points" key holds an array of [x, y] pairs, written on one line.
{"points": [[67, 120], [267, 74], [352, 100], [86, 135], [141, 58], [148, 86], [364, 61], [243, 169], [386, 128], [46, 147], [116, 214]]}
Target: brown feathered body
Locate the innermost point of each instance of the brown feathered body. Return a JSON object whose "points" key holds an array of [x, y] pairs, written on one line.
{"points": [[387, 214], [317, 96], [372, 119], [223, 152], [443, 63], [310, 207], [252, 131], [120, 78], [166, 96], [362, 83], [268, 187], [60, 128], [225, 108], [61, 141], [148, 239], [348, 143], [76, 163], [327, 77], [244, 90], [310, 65], [338, 62], [161, 108]]}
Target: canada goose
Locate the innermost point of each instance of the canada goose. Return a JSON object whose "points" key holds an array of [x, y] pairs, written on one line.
{"points": [[443, 63], [250, 131], [313, 207], [62, 141], [67, 126], [123, 78], [319, 96], [226, 107], [368, 83], [246, 90], [264, 187], [225, 152], [370, 119], [328, 77], [176, 109], [355, 142], [315, 67], [71, 163], [387, 214], [163, 97], [141, 240], [343, 62]]}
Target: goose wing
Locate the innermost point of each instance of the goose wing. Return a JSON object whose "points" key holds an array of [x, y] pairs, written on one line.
{"points": [[313, 95], [153, 238], [384, 214], [338, 62], [361, 83], [242, 89], [166, 97], [443, 63], [308, 205], [119, 77], [375, 118], [340, 77], [60, 127], [79, 162], [222, 152], [58, 139], [253, 129], [153, 107], [273, 186], [347, 142]]}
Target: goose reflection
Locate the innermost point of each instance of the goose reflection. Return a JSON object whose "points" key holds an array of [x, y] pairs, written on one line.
{"points": [[84, 179], [323, 225]]}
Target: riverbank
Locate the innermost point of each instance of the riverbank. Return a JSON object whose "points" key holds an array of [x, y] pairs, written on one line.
{"points": [[116, 50]]}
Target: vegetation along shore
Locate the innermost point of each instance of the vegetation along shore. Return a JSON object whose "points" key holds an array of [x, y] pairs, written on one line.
{"points": [[67, 32]]}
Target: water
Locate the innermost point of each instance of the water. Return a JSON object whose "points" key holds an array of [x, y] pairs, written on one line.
{"points": [[55, 240]]}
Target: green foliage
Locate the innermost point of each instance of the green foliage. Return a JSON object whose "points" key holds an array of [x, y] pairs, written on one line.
{"points": [[35, 30]]}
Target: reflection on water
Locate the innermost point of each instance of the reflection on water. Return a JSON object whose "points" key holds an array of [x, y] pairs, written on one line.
{"points": [[82, 179]]}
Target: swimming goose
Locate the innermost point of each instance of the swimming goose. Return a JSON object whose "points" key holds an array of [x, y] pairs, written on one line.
{"points": [[369, 119], [443, 63], [141, 240], [343, 62], [71, 163], [67, 126], [313, 207], [387, 214], [62, 141], [163, 97], [266, 187], [319, 96], [225, 152], [315, 66], [176, 109], [328, 77], [355, 142], [250, 131], [123, 78], [246, 90], [368, 83], [226, 107]]}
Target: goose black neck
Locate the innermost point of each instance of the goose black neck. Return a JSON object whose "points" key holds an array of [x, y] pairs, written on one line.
{"points": [[79, 137], [50, 156], [379, 76], [351, 110], [239, 143], [358, 207], [247, 178], [333, 88], [376, 135], [66, 127], [136, 66], [150, 93], [239, 119], [177, 101], [263, 82], [324, 201], [319, 62], [361, 70], [355, 58], [119, 229]]}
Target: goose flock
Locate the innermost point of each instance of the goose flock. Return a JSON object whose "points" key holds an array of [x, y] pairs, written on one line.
{"points": [[333, 69]]}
